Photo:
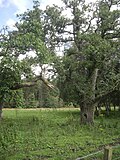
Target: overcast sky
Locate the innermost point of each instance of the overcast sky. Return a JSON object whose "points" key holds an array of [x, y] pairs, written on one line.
{"points": [[9, 9]]}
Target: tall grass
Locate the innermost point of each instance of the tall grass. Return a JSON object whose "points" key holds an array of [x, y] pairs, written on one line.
{"points": [[54, 134]]}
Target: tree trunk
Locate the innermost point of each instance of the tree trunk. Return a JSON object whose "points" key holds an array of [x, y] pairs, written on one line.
{"points": [[93, 84], [1, 111], [87, 109], [87, 114]]}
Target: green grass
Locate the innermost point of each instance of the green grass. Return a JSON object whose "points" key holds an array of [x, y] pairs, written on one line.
{"points": [[55, 135]]}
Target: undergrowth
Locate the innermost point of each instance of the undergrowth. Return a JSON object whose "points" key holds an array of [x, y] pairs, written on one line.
{"points": [[55, 135]]}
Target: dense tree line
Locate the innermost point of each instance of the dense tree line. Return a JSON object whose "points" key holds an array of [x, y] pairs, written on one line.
{"points": [[88, 72]]}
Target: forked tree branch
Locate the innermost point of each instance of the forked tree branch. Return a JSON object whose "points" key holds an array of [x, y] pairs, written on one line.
{"points": [[32, 83]]}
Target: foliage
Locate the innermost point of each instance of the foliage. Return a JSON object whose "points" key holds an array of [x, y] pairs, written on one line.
{"points": [[10, 73], [14, 99], [95, 46], [41, 97], [28, 37]]}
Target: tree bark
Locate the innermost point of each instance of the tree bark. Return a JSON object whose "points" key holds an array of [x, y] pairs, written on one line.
{"points": [[1, 115], [33, 83], [87, 114], [94, 80], [88, 107]]}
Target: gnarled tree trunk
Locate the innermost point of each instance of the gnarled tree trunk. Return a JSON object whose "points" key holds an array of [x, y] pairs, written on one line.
{"points": [[87, 114], [1, 110], [88, 108]]}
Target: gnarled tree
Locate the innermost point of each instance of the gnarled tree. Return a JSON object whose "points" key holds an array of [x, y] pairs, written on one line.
{"points": [[88, 67]]}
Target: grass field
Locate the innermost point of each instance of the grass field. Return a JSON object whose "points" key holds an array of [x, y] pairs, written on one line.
{"points": [[55, 135]]}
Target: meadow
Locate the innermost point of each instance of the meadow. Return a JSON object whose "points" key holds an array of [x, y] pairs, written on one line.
{"points": [[56, 135]]}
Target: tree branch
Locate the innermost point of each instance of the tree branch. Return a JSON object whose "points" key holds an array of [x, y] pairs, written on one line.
{"points": [[104, 96], [90, 22], [33, 83], [112, 35]]}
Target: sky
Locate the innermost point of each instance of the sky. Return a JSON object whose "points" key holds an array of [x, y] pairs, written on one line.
{"points": [[9, 9]]}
